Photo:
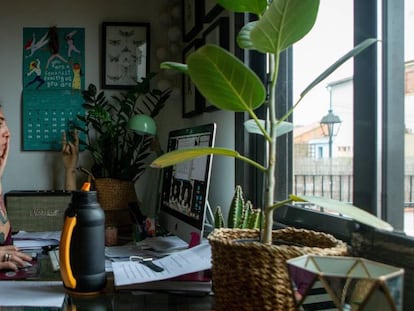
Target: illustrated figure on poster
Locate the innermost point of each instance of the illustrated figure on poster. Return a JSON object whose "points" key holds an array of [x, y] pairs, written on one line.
{"points": [[70, 155], [35, 69], [76, 80], [54, 46], [71, 44], [32, 45]]}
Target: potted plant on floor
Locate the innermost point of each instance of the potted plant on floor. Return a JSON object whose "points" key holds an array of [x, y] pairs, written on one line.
{"points": [[119, 155], [253, 276]]}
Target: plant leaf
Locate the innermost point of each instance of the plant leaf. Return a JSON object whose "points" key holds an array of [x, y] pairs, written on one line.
{"points": [[242, 6], [178, 156], [352, 53], [174, 65], [224, 80], [283, 127], [349, 210], [284, 23], [243, 38]]}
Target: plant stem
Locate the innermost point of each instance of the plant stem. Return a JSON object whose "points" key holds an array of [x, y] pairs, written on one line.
{"points": [[270, 172]]}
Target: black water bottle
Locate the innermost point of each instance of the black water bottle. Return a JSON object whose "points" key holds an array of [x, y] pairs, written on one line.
{"points": [[82, 244]]}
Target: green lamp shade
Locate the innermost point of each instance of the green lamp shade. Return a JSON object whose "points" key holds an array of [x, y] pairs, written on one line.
{"points": [[143, 125]]}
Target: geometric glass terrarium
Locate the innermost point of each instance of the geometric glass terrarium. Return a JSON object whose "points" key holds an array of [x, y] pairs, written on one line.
{"points": [[345, 283]]}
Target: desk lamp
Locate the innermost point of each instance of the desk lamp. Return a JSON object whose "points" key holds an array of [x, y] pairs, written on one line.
{"points": [[143, 125]]}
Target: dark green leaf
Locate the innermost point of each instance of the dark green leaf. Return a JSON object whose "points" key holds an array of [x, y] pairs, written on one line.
{"points": [[224, 80]]}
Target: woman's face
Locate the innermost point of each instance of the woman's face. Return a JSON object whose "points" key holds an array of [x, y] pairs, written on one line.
{"points": [[4, 133]]}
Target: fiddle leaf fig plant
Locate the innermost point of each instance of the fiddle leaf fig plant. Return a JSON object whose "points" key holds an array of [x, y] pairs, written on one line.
{"points": [[229, 84]]}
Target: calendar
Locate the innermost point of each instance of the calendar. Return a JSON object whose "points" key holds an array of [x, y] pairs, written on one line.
{"points": [[53, 80], [46, 115]]}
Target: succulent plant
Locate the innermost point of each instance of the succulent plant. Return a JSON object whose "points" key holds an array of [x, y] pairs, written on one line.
{"points": [[242, 214]]}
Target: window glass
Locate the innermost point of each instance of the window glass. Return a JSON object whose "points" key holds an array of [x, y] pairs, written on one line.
{"points": [[409, 118], [323, 143]]}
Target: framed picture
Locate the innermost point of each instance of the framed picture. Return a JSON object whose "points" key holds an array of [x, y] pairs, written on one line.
{"points": [[211, 10], [193, 101], [217, 33], [192, 18], [125, 54]]}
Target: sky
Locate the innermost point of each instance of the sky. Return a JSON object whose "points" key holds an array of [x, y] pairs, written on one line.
{"points": [[330, 38]]}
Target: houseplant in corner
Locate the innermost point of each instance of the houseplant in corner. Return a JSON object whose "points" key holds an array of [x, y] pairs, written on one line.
{"points": [[252, 275], [118, 154]]}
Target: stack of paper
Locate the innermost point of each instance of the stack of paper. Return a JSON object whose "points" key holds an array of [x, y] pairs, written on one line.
{"points": [[35, 240], [188, 262], [32, 294]]}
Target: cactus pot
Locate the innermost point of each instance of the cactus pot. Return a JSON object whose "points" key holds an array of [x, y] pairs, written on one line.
{"points": [[249, 275]]}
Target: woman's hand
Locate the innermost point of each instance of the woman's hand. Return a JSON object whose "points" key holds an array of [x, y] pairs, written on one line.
{"points": [[11, 258]]}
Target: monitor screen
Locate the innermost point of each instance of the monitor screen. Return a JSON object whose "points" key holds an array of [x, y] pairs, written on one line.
{"points": [[185, 185]]}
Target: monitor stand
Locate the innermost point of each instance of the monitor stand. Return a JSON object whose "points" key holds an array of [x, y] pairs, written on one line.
{"points": [[209, 220]]}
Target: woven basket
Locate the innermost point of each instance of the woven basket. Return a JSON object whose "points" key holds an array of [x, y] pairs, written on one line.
{"points": [[253, 275], [115, 194]]}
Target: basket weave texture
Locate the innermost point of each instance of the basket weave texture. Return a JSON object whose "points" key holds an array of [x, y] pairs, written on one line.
{"points": [[115, 194], [253, 275]]}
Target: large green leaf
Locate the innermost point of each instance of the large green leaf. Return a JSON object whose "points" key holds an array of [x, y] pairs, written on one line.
{"points": [[178, 156], [182, 155], [284, 23], [224, 80], [242, 6], [349, 210]]}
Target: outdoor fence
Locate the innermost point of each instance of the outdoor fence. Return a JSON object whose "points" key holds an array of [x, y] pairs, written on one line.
{"points": [[339, 187]]}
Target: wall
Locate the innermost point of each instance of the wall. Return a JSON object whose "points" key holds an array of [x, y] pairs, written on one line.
{"points": [[44, 170]]}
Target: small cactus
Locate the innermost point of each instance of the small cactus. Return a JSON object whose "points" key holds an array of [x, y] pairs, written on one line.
{"points": [[236, 208], [252, 217], [241, 213], [218, 218]]}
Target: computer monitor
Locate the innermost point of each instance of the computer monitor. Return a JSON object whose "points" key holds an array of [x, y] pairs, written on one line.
{"points": [[185, 185]]}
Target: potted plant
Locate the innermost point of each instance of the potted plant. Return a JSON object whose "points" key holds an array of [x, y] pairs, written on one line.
{"points": [[229, 84], [118, 154]]}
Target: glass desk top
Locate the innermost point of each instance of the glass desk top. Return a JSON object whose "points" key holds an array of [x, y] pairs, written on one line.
{"points": [[111, 300]]}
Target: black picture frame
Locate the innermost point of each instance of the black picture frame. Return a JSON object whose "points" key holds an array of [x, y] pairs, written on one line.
{"points": [[125, 54], [193, 12], [211, 10], [193, 101], [217, 33]]}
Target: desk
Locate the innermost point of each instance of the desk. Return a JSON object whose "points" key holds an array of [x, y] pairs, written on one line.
{"points": [[112, 300]]}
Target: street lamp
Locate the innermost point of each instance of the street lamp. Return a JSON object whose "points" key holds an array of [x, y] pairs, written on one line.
{"points": [[330, 125]]}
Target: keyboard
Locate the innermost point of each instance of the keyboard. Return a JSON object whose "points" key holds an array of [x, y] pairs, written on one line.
{"points": [[54, 259]]}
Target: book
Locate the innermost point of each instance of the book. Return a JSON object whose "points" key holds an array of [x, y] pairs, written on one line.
{"points": [[196, 282], [29, 272]]}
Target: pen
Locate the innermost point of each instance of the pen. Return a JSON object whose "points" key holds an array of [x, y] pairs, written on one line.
{"points": [[146, 262]]}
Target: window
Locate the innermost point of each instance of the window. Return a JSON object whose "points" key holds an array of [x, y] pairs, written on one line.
{"points": [[409, 118], [331, 101], [367, 94]]}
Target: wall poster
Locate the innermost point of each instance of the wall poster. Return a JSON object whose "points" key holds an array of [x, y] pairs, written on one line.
{"points": [[53, 80]]}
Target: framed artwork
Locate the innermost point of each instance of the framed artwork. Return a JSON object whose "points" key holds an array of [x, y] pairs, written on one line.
{"points": [[125, 54], [211, 10], [217, 33], [193, 101], [192, 18]]}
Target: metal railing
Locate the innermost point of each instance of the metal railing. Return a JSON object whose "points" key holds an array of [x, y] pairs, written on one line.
{"points": [[339, 187]]}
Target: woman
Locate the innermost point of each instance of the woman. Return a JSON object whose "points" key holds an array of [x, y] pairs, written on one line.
{"points": [[10, 257]]}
